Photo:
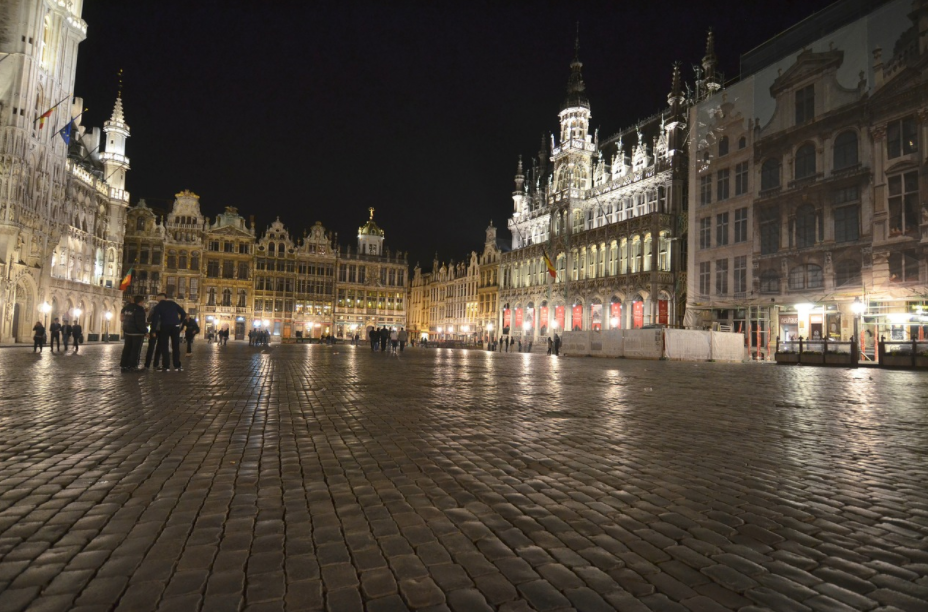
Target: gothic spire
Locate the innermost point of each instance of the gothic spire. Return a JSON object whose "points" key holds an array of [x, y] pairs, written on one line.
{"points": [[710, 80], [520, 177], [576, 89]]}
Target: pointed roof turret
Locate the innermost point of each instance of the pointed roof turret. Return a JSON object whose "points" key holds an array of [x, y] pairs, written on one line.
{"points": [[709, 62], [576, 90]]}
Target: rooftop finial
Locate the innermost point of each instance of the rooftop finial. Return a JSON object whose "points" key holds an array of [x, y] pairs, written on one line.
{"points": [[371, 209], [119, 90], [575, 86]]}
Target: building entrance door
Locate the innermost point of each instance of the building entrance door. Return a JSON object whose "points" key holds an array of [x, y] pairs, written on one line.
{"points": [[239, 330]]}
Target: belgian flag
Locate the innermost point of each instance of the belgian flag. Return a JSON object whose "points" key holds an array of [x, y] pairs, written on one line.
{"points": [[126, 281]]}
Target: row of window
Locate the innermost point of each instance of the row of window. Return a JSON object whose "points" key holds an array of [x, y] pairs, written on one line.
{"points": [[722, 231], [739, 276], [291, 285], [227, 246], [628, 256], [349, 298], [293, 306], [391, 277], [723, 184], [226, 269]]}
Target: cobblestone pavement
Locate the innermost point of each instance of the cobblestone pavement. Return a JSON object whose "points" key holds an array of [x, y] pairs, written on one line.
{"points": [[301, 477]]}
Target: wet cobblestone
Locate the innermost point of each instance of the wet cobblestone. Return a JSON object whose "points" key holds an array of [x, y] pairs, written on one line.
{"points": [[307, 477]]}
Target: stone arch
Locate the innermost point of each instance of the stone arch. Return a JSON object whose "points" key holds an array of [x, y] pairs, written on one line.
{"points": [[596, 313], [24, 302], [576, 314]]}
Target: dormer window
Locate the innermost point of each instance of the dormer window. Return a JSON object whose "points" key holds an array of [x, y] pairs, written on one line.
{"points": [[805, 104], [723, 146]]}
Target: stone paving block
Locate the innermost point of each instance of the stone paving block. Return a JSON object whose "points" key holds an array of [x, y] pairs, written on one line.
{"points": [[477, 507]]}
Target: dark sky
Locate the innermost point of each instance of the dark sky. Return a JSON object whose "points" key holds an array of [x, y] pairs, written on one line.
{"points": [[315, 111]]}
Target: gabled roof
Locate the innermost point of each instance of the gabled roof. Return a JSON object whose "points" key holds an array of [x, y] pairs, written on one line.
{"points": [[808, 63]]}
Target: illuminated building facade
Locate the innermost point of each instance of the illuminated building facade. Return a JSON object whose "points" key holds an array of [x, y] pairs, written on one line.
{"points": [[228, 287], [371, 285], [295, 282], [609, 214], [62, 204], [458, 301], [806, 188]]}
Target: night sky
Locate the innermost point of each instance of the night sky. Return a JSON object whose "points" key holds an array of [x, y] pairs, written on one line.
{"points": [[316, 112]]}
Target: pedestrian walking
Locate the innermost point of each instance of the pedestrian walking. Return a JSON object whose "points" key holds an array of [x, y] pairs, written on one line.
{"points": [[403, 338], [66, 334], [394, 340], [55, 328], [374, 338], [508, 342], [191, 329], [38, 336], [168, 315], [135, 328], [549, 346], [557, 345], [77, 335]]}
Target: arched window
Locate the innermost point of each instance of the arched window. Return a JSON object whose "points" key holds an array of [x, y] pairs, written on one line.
{"points": [[805, 161], [241, 298], [769, 282], [226, 297], [770, 174], [847, 272], [723, 146], [742, 142], [845, 150], [646, 267], [805, 226], [270, 249], [808, 276], [211, 299]]}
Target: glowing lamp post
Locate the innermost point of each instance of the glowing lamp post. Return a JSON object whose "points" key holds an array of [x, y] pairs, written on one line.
{"points": [[45, 308], [614, 323], [857, 308], [106, 328], [77, 314]]}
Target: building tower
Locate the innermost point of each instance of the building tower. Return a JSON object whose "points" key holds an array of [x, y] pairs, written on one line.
{"points": [[572, 156], [114, 157], [370, 237], [518, 196]]}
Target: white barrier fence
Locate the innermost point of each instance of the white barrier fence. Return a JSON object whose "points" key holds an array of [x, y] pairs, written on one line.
{"points": [[676, 344]]}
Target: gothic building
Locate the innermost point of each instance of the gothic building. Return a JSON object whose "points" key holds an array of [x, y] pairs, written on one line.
{"points": [[371, 284], [805, 191], [608, 214], [62, 187], [457, 301]]}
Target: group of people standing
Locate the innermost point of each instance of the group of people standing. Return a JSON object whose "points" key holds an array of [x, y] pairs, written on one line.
{"points": [[68, 331], [504, 344], [380, 337], [257, 337], [163, 326]]}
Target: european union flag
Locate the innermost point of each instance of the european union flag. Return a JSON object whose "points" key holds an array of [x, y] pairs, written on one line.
{"points": [[65, 132]]}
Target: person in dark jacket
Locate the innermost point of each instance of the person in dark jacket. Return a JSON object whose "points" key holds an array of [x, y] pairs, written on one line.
{"points": [[56, 334], [77, 334], [66, 334], [135, 328], [191, 329], [169, 316], [384, 336], [38, 336], [154, 347]]}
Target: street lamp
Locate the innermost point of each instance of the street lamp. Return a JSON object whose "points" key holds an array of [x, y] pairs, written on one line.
{"points": [[77, 314], [857, 308], [45, 308], [614, 323], [106, 331]]}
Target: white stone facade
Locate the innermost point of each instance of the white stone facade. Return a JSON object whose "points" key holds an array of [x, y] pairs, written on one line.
{"points": [[609, 215], [62, 206]]}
